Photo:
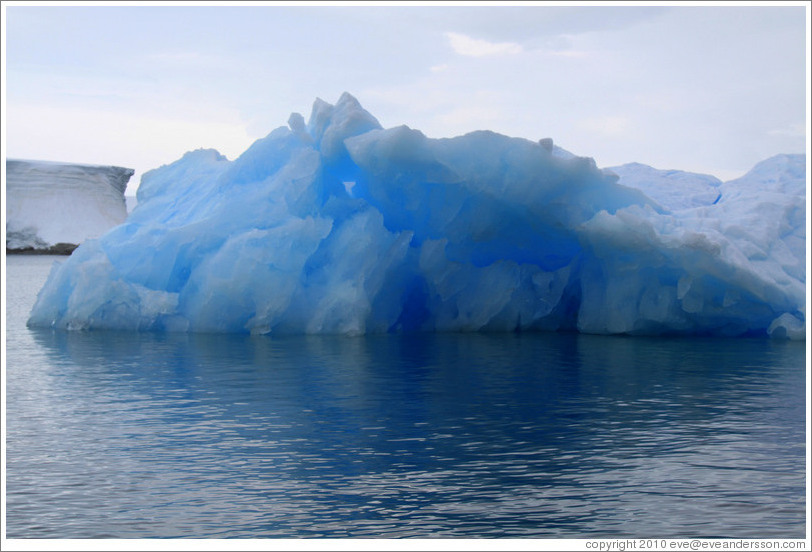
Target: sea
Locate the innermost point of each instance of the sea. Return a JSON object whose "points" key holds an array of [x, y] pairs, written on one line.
{"points": [[542, 436]]}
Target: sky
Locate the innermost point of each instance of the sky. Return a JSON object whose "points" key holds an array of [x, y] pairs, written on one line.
{"points": [[709, 88]]}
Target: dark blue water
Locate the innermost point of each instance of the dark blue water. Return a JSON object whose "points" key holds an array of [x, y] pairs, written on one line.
{"points": [[544, 436]]}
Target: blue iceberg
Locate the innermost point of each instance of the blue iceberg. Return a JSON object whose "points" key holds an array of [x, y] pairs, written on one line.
{"points": [[340, 226]]}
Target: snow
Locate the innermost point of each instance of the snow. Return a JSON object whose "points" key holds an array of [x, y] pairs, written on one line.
{"points": [[50, 203], [671, 189], [341, 226]]}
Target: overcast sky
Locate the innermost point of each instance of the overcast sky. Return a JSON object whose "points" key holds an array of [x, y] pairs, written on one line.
{"points": [[693, 87]]}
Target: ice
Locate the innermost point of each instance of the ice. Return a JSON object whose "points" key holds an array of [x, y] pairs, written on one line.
{"points": [[338, 225], [53, 203], [671, 189]]}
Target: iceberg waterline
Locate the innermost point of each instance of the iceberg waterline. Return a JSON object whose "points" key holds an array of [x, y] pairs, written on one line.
{"points": [[340, 226]]}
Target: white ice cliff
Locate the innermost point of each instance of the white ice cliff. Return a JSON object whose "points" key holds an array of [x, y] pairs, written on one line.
{"points": [[340, 226], [50, 203]]}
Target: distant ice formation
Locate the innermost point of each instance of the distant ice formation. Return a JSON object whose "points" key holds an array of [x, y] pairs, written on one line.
{"points": [[672, 190], [53, 207], [341, 226]]}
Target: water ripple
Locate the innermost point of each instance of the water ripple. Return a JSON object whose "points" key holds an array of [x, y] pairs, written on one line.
{"points": [[128, 436]]}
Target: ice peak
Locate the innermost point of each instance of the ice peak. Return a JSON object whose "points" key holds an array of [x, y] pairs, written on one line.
{"points": [[347, 99]]}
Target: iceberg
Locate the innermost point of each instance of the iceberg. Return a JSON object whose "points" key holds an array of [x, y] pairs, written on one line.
{"points": [[53, 207], [340, 226]]}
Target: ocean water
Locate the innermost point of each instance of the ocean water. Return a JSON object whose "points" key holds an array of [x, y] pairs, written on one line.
{"points": [[116, 435]]}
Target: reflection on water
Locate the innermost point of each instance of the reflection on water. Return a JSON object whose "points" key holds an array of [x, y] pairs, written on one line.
{"points": [[130, 435]]}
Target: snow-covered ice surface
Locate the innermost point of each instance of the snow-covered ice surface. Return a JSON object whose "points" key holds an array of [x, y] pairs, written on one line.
{"points": [[672, 189], [340, 226], [50, 203]]}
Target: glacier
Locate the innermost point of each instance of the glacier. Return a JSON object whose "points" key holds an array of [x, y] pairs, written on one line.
{"points": [[52, 206], [337, 225]]}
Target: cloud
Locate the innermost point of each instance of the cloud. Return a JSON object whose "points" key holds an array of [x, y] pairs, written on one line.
{"points": [[571, 54], [611, 126], [466, 118], [467, 46], [796, 130], [186, 61]]}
